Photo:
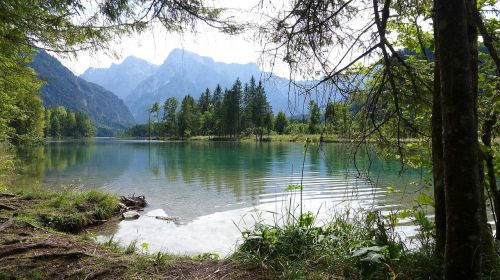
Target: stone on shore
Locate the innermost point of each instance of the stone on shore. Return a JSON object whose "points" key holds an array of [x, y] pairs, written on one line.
{"points": [[131, 215]]}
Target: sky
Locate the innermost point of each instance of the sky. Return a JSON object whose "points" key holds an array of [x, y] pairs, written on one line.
{"points": [[155, 44]]}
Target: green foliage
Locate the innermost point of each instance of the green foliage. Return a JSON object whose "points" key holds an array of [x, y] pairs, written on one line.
{"points": [[63, 123], [189, 118], [293, 187], [21, 111], [170, 116], [280, 123], [131, 248], [350, 246], [314, 118], [231, 109], [206, 257]]}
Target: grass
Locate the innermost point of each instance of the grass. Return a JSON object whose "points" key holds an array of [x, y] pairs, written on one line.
{"points": [[350, 246], [68, 210]]}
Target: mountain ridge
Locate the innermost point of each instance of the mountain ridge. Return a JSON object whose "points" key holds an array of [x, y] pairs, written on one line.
{"points": [[120, 78], [63, 88]]}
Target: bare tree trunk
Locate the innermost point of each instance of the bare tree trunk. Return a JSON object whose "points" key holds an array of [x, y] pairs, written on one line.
{"points": [[437, 159], [461, 163]]}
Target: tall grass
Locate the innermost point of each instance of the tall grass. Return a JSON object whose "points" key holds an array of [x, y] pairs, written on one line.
{"points": [[351, 246]]}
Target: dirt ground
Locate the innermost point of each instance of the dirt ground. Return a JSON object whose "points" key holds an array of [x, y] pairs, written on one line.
{"points": [[31, 252]]}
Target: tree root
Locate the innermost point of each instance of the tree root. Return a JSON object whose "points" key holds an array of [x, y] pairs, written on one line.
{"points": [[70, 254], [96, 274], [7, 207], [14, 250], [7, 224]]}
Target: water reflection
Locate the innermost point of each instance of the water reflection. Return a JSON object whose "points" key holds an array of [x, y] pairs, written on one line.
{"points": [[210, 184]]}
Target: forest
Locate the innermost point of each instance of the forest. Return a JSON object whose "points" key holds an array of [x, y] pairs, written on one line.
{"points": [[63, 123], [239, 111], [413, 81]]}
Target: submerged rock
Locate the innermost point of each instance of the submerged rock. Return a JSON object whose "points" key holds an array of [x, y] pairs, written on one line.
{"points": [[130, 215]]}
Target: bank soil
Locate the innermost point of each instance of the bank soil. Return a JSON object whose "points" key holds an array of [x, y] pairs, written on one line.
{"points": [[28, 251]]}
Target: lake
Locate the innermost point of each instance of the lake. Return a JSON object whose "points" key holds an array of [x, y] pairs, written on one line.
{"points": [[218, 188]]}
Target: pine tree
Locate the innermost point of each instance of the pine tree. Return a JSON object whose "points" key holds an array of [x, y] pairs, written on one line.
{"points": [[217, 101], [231, 109], [314, 118], [280, 123], [188, 117], [170, 116], [204, 101]]}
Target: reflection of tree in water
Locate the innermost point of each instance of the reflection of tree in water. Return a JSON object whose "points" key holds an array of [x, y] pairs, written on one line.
{"points": [[380, 170], [236, 167], [54, 156], [74, 159], [314, 157]]}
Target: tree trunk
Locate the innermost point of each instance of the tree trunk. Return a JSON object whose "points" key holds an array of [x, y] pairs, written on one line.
{"points": [[487, 249], [461, 164], [490, 121], [490, 167], [437, 159]]}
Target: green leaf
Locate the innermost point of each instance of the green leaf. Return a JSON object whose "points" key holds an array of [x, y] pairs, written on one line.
{"points": [[424, 199], [293, 187]]}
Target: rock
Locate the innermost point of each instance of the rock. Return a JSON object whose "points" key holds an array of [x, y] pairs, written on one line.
{"points": [[131, 215], [168, 218]]}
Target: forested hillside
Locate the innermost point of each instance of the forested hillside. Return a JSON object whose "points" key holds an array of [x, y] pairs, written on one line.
{"points": [[63, 88]]}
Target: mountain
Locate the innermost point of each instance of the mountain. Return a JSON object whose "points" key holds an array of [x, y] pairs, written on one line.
{"points": [[121, 78], [184, 72], [63, 88]]}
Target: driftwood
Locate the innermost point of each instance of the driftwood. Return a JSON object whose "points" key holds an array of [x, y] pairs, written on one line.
{"points": [[168, 218], [134, 201]]}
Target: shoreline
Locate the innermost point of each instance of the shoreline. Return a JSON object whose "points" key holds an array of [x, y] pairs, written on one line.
{"points": [[29, 241]]}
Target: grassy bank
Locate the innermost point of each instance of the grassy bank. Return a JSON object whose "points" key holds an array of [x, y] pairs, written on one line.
{"points": [[66, 210]]}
